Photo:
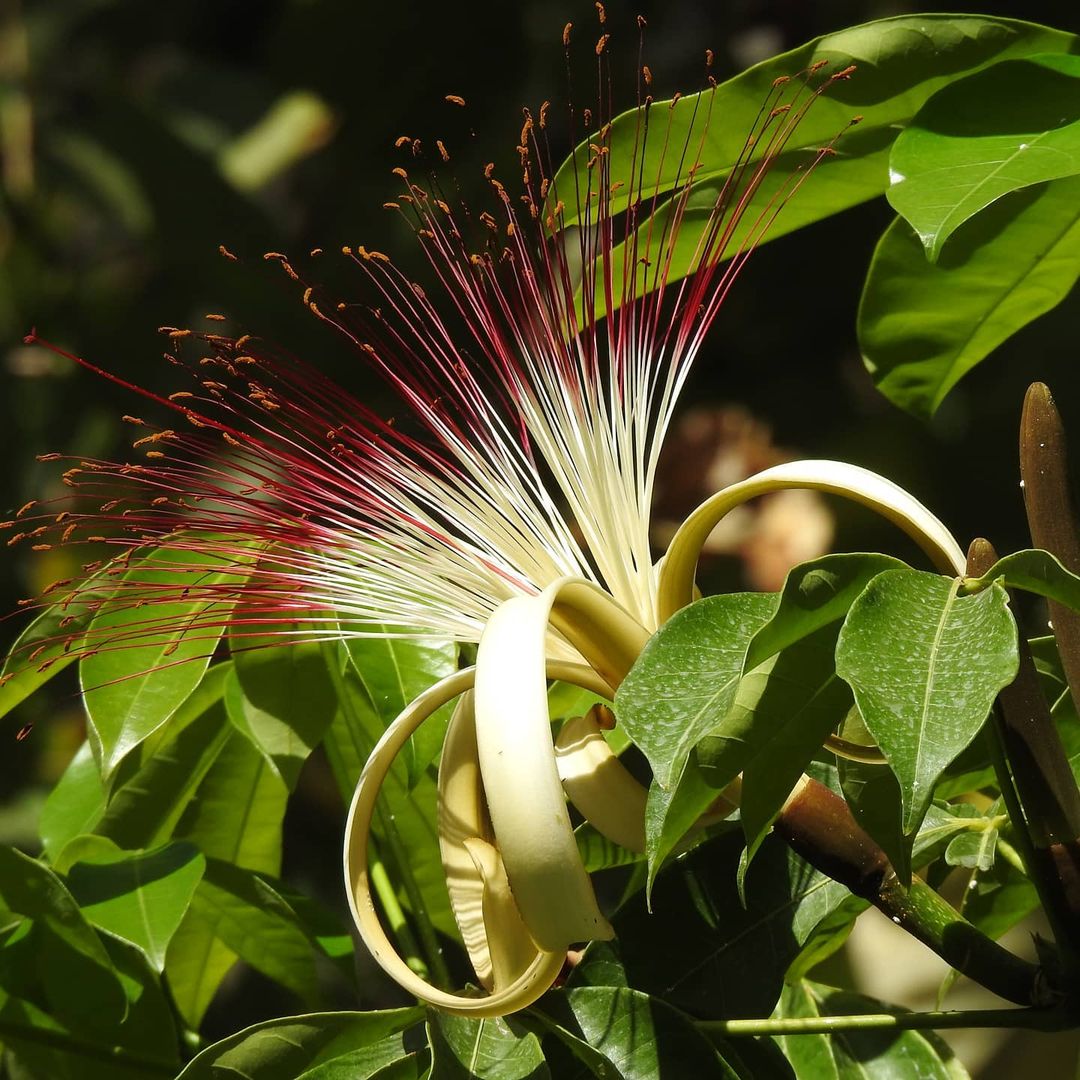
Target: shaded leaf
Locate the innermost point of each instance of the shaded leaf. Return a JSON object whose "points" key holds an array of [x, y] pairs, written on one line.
{"points": [[80, 981], [703, 950], [281, 698], [320, 1046], [490, 1049], [141, 897]]}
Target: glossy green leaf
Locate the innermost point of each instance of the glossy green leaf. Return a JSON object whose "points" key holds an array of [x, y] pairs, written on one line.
{"points": [[75, 804], [80, 981], [856, 1054], [815, 594], [923, 326], [1007, 127], [320, 1046], [1033, 571], [925, 665], [974, 848], [257, 925], [492, 1049], [683, 683], [140, 897], [623, 1034], [396, 670], [999, 898], [236, 816], [281, 698], [900, 62], [702, 950], [132, 691]]}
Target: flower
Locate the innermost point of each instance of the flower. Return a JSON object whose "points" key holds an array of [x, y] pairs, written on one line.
{"points": [[510, 506]]}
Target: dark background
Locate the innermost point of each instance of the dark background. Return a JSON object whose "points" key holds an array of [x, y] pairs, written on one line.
{"points": [[126, 160]]}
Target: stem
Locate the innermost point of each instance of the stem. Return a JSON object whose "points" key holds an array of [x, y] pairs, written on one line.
{"points": [[1050, 514], [72, 1044], [819, 826], [1037, 785], [1032, 1019], [395, 915]]}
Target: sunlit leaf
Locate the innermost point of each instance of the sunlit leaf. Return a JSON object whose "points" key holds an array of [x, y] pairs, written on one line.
{"points": [[1007, 127]]}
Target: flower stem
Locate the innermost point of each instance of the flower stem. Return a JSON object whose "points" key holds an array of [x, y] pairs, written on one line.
{"points": [[61, 1041], [1033, 1019], [819, 826]]}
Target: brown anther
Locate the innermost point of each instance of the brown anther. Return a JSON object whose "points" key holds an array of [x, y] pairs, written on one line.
{"points": [[226, 253], [601, 13], [314, 253], [242, 341], [96, 539], [601, 45], [179, 333], [230, 440], [455, 99], [646, 74], [307, 295], [391, 206], [641, 22], [136, 420], [26, 506], [566, 34], [416, 148], [817, 66], [24, 731], [443, 152], [154, 454], [215, 318], [161, 500], [41, 547], [709, 57], [781, 81], [66, 535], [180, 395], [15, 539], [543, 113], [109, 506], [48, 457], [62, 516]]}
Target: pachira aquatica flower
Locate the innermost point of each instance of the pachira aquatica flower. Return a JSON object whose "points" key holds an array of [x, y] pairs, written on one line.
{"points": [[538, 367]]}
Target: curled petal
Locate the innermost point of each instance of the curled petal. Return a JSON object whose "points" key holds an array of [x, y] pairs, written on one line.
{"points": [[676, 577]]}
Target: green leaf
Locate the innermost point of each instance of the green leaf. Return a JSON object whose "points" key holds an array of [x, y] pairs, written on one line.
{"points": [[281, 698], [44, 640], [925, 665], [492, 1049], [1007, 127], [815, 594], [670, 814], [974, 848], [405, 823], [790, 705], [256, 924], [236, 816], [623, 1034], [74, 805], [684, 682], [855, 1054], [142, 897], [394, 671], [1033, 571], [320, 1046], [923, 326], [146, 808], [132, 691], [147, 1032], [703, 950], [900, 63], [999, 898], [80, 981]]}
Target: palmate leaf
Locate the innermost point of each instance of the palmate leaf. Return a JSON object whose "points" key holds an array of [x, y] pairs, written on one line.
{"points": [[1007, 127], [900, 63]]}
